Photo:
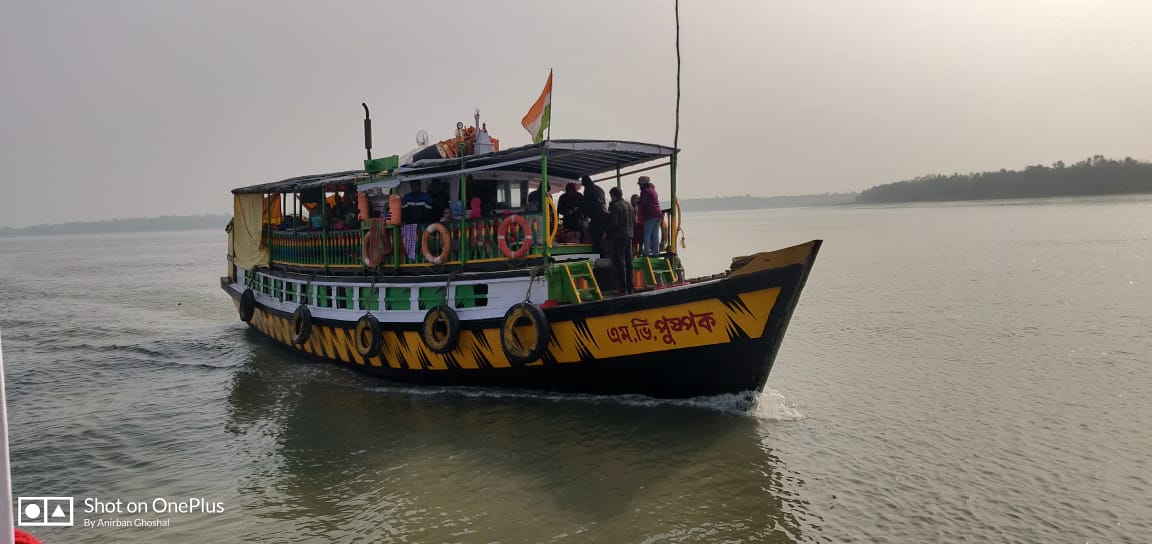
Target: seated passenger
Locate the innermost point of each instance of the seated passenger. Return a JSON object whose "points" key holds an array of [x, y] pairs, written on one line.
{"points": [[569, 208], [533, 202]]}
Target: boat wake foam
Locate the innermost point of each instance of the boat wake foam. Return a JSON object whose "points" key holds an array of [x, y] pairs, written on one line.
{"points": [[768, 405], [771, 405]]}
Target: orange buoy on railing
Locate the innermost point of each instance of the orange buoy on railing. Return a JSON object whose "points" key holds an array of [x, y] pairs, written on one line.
{"points": [[394, 206], [502, 236], [362, 205], [445, 238]]}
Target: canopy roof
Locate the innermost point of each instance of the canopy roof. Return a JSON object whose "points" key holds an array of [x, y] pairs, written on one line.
{"points": [[566, 159], [292, 185]]}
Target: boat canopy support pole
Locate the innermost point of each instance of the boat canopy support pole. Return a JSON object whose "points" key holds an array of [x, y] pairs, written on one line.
{"points": [[464, 214], [544, 194], [675, 222], [324, 231]]}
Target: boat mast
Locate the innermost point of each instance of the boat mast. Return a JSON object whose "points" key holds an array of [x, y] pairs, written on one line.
{"points": [[675, 226]]}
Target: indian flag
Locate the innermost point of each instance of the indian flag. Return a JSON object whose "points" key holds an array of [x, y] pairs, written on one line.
{"points": [[536, 122]]}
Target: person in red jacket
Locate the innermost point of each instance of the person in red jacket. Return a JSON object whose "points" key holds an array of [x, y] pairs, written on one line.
{"points": [[649, 213]]}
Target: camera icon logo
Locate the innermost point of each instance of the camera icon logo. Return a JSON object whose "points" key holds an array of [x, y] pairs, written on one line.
{"points": [[44, 511]]}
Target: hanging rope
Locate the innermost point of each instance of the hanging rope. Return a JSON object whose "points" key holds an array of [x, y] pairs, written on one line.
{"points": [[448, 286], [533, 273]]}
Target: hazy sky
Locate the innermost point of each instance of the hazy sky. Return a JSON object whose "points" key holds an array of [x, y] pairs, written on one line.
{"points": [[129, 109]]}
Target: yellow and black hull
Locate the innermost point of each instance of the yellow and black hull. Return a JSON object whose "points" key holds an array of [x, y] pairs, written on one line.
{"points": [[712, 337]]}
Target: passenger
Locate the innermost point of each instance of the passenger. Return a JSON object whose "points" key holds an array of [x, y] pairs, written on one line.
{"points": [[650, 214], [335, 210], [638, 231], [535, 199], [351, 210], [533, 203], [417, 204], [621, 224], [474, 211], [569, 207], [439, 195], [595, 208]]}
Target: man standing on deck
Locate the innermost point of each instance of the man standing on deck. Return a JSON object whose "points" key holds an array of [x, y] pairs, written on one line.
{"points": [[417, 204], [621, 224], [596, 209]]}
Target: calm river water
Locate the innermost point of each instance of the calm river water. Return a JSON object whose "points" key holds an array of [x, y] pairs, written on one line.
{"points": [[954, 373]]}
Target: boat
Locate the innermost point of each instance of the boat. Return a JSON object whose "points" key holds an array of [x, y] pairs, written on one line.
{"points": [[510, 299]]}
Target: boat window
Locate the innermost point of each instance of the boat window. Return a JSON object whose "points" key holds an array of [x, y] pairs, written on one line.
{"points": [[397, 298], [471, 296], [323, 296], [431, 297], [344, 298], [369, 298], [510, 193]]}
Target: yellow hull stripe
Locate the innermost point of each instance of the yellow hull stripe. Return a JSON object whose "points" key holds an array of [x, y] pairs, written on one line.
{"points": [[695, 324]]}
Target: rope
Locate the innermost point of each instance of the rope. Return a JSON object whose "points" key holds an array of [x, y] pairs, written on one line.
{"points": [[533, 273], [448, 286]]}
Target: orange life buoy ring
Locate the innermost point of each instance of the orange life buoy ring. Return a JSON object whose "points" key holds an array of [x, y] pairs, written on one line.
{"points": [[502, 236], [444, 235]]}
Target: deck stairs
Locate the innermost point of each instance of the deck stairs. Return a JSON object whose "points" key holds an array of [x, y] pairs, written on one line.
{"points": [[574, 282], [653, 272]]}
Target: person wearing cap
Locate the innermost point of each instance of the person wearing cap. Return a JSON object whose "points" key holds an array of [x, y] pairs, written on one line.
{"points": [[621, 222], [650, 214], [595, 208]]}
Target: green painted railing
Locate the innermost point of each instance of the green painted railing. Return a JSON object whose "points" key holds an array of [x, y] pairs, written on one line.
{"points": [[483, 244], [314, 248], [343, 248]]}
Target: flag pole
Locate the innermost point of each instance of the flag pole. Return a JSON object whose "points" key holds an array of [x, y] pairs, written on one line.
{"points": [[549, 129], [545, 192]]}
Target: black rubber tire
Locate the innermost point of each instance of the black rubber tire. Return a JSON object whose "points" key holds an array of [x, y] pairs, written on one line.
{"points": [[366, 337], [247, 305], [517, 353], [441, 341], [301, 325]]}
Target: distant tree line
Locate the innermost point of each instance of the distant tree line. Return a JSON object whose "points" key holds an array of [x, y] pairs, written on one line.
{"points": [[169, 222], [749, 202], [1092, 176]]}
